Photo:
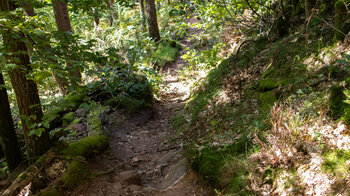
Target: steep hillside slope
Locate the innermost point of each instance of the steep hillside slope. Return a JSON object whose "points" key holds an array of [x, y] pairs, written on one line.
{"points": [[273, 118]]}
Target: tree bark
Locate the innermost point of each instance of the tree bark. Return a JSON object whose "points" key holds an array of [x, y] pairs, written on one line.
{"points": [[25, 89], [61, 83], [152, 20], [142, 14], [110, 13], [63, 24], [61, 16], [8, 136]]}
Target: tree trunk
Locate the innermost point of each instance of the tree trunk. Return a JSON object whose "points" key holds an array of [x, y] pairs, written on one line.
{"points": [[309, 4], [61, 83], [152, 20], [111, 12], [61, 16], [63, 24], [25, 89], [142, 14], [8, 137]]}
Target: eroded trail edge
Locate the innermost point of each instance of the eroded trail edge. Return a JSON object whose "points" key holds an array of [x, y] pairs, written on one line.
{"points": [[145, 157]]}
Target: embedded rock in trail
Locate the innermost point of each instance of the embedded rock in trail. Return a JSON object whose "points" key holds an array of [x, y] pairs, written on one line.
{"points": [[176, 173], [130, 177], [146, 156]]}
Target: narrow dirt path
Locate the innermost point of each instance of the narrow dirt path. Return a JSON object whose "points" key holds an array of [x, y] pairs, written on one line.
{"points": [[144, 160]]}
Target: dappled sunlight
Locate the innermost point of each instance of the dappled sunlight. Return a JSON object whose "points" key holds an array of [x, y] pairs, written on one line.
{"points": [[326, 57], [313, 179], [297, 144]]}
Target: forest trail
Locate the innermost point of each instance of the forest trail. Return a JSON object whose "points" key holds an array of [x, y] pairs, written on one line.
{"points": [[145, 158]]}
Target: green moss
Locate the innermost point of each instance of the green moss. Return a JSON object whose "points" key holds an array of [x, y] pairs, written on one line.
{"points": [[267, 100], [165, 53], [337, 162], [212, 88], [336, 102], [338, 109], [238, 184], [86, 147], [67, 119], [76, 172], [346, 115], [274, 77], [94, 120], [270, 84], [209, 164], [178, 121], [49, 192], [211, 161]]}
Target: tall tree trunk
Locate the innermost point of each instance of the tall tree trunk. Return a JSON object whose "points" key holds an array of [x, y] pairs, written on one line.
{"points": [[61, 83], [8, 137], [28, 8], [25, 89], [111, 14], [152, 20], [142, 14], [63, 24]]}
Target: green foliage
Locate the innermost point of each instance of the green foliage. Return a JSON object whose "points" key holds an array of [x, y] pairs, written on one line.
{"points": [[165, 53], [178, 121], [67, 119]]}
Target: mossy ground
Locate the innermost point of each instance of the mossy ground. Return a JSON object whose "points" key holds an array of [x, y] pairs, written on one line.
{"points": [[76, 172], [166, 52], [226, 130]]}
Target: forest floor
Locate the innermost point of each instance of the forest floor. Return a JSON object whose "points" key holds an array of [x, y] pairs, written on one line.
{"points": [[145, 157]]}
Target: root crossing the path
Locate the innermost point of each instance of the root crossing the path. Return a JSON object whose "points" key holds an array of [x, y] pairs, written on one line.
{"points": [[145, 157]]}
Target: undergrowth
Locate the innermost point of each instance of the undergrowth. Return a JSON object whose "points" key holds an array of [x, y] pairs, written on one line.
{"points": [[259, 119]]}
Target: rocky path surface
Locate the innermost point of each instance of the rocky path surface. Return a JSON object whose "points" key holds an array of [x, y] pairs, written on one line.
{"points": [[145, 157]]}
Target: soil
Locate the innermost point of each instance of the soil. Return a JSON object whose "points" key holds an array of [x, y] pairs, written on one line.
{"points": [[145, 156]]}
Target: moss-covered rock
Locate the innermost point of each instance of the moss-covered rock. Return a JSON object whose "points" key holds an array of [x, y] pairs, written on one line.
{"points": [[86, 147], [76, 172], [67, 119], [267, 100], [49, 192], [94, 122], [74, 122]]}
